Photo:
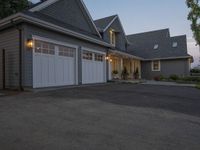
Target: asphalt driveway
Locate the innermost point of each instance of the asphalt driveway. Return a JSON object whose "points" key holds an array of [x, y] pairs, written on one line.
{"points": [[106, 117]]}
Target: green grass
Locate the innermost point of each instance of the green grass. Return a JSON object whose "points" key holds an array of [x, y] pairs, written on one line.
{"points": [[198, 86]]}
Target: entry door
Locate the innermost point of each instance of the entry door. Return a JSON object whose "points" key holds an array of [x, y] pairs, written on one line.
{"points": [[53, 65], [93, 67]]}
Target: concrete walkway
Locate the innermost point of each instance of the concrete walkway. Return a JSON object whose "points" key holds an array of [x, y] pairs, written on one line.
{"points": [[152, 82]]}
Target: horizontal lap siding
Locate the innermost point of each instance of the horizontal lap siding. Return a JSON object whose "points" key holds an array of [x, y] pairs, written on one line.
{"points": [[1, 70], [9, 40]]}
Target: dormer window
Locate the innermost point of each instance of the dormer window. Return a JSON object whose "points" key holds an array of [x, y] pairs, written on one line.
{"points": [[175, 44], [156, 46], [112, 37]]}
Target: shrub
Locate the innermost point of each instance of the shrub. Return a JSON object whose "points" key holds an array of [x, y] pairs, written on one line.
{"points": [[198, 86], [115, 72], [174, 77], [192, 79], [158, 78], [195, 71], [125, 74]]}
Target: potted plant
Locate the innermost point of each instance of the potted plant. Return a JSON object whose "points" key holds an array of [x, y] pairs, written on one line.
{"points": [[136, 74], [124, 74], [115, 74]]}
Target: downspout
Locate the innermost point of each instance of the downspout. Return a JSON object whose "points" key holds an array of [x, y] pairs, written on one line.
{"points": [[20, 54]]}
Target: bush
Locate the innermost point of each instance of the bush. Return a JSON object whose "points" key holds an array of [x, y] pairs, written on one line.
{"points": [[158, 78], [198, 86], [195, 71], [125, 74], [174, 77], [191, 79], [115, 72]]}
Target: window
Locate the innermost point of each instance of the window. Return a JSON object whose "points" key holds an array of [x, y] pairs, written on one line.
{"points": [[66, 51], [156, 65], [112, 37], [156, 46], [175, 44], [98, 57], [87, 55], [44, 47]]}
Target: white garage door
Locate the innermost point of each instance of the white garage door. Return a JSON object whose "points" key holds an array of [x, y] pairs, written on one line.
{"points": [[93, 67], [53, 65]]}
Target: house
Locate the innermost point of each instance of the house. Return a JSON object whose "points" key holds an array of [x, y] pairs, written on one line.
{"points": [[162, 54], [57, 43], [112, 32]]}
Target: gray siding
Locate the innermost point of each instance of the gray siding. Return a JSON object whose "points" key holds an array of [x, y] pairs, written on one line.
{"points": [[1, 70], [179, 67], [70, 12], [9, 40], [33, 30], [120, 37]]}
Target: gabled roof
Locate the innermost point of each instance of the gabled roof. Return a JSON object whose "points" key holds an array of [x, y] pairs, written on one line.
{"points": [[46, 3], [142, 45], [103, 23]]}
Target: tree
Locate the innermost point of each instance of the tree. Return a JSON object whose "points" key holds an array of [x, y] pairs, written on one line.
{"points": [[194, 17], [9, 7]]}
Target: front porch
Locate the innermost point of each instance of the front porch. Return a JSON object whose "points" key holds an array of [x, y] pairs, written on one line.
{"points": [[121, 63]]}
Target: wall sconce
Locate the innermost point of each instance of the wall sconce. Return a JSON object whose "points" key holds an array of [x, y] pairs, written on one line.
{"points": [[110, 60], [107, 58], [29, 43]]}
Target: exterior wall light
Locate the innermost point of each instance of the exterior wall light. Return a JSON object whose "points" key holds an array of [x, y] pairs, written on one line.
{"points": [[29, 43], [107, 58]]}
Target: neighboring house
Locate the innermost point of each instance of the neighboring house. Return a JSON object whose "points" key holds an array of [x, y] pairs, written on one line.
{"points": [[56, 43], [162, 54], [112, 32]]}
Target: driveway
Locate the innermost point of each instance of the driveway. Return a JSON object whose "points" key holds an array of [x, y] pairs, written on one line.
{"points": [[106, 117]]}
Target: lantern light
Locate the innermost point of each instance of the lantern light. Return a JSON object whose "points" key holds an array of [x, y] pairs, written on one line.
{"points": [[29, 43]]}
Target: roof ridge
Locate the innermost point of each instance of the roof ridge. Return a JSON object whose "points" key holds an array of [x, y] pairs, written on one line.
{"points": [[106, 17], [148, 32]]}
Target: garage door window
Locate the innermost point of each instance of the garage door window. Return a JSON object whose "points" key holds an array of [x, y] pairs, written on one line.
{"points": [[98, 57], [44, 48], [66, 51], [87, 55]]}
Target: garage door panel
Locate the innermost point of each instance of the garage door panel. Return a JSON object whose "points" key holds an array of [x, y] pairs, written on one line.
{"points": [[93, 69], [54, 66]]}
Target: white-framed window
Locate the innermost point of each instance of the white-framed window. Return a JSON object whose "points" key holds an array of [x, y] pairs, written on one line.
{"points": [[98, 57], [174, 44], [156, 65], [66, 51], [112, 37], [87, 55], [44, 47]]}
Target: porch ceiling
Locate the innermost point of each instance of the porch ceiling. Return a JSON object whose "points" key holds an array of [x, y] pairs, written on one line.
{"points": [[122, 54]]}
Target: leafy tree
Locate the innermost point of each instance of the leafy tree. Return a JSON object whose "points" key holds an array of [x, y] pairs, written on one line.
{"points": [[194, 17], [9, 7]]}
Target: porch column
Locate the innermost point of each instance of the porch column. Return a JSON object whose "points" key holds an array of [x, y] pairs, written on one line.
{"points": [[121, 66]]}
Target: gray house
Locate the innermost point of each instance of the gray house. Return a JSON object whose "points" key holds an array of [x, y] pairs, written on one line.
{"points": [[56, 43], [162, 54]]}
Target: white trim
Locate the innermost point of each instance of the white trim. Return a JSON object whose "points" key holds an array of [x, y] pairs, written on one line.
{"points": [[152, 66], [110, 23], [120, 25], [167, 58], [125, 54], [49, 2], [35, 37], [54, 27], [42, 5], [92, 50]]}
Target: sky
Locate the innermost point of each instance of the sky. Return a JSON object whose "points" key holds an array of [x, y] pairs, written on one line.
{"points": [[147, 15]]}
